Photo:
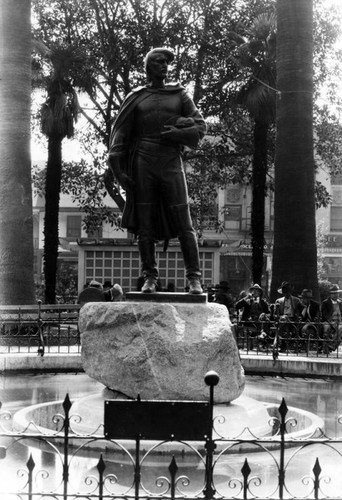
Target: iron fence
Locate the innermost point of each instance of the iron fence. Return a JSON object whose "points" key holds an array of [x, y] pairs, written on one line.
{"points": [[286, 337], [54, 328], [60, 462], [39, 328]]}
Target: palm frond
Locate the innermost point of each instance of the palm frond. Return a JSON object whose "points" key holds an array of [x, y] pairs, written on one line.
{"points": [[235, 37], [259, 100], [40, 47], [262, 26]]}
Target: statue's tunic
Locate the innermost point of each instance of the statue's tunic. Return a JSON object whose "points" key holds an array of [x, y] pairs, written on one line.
{"points": [[154, 163]]}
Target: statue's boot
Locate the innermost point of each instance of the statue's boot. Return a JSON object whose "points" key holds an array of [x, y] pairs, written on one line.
{"points": [[147, 246], [181, 221]]}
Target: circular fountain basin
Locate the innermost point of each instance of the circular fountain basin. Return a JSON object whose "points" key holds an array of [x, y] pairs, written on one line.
{"points": [[243, 418]]}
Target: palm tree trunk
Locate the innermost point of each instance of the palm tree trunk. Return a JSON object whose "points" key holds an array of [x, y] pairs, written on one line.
{"points": [[51, 221], [295, 252], [16, 221], [258, 200]]}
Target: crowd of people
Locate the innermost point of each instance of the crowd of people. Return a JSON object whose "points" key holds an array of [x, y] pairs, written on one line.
{"points": [[294, 316]]}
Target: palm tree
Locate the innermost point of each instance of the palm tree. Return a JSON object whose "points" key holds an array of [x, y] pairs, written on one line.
{"points": [[257, 56], [16, 223], [295, 252], [58, 116]]}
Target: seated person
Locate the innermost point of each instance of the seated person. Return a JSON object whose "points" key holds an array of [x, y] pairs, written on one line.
{"points": [[222, 296], [331, 311], [171, 287], [309, 312], [253, 305], [92, 293], [112, 293], [288, 309], [288, 306]]}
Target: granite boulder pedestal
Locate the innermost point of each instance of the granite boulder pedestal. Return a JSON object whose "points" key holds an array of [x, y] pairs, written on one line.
{"points": [[161, 350]]}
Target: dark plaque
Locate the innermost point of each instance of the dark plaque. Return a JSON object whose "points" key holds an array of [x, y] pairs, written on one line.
{"points": [[157, 420]]}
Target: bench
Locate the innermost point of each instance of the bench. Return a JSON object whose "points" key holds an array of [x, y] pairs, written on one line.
{"points": [[35, 322]]}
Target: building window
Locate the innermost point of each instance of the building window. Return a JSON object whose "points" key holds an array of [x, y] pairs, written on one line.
{"points": [[336, 219], [123, 267], [233, 194], [232, 216], [74, 223], [232, 212], [336, 180]]}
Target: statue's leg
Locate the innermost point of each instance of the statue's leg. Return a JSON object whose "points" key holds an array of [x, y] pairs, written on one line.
{"points": [[181, 221], [147, 247]]}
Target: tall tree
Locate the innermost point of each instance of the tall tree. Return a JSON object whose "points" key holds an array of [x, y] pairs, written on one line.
{"points": [[58, 116], [16, 223], [295, 252], [257, 55]]}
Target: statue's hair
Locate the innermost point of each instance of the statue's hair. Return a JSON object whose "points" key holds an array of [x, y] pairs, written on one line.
{"points": [[158, 50]]}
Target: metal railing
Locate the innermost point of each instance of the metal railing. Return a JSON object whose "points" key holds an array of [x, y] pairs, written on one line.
{"points": [[39, 328], [71, 464], [286, 337], [54, 328]]}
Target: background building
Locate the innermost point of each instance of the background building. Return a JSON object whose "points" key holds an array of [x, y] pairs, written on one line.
{"points": [[112, 254]]}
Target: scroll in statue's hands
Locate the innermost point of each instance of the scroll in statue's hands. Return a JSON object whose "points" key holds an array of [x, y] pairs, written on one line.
{"points": [[181, 130], [172, 134]]}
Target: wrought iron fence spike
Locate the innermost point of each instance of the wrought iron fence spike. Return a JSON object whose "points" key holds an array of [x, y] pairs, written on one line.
{"points": [[317, 468], [173, 467], [283, 408], [101, 466], [246, 470], [30, 463], [67, 404]]}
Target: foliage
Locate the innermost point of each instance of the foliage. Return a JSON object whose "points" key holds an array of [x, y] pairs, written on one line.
{"points": [[256, 56], [113, 36], [85, 184], [327, 57], [66, 284], [328, 144], [322, 195]]}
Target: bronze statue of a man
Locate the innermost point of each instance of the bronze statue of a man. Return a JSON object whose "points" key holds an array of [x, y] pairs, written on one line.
{"points": [[154, 123]]}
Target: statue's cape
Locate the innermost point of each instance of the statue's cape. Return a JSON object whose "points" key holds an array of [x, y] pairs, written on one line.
{"points": [[135, 97], [163, 231]]}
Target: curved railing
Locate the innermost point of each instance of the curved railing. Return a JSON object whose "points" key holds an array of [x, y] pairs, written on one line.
{"points": [[60, 463]]}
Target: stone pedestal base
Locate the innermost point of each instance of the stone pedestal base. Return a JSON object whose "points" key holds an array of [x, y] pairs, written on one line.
{"points": [[161, 350]]}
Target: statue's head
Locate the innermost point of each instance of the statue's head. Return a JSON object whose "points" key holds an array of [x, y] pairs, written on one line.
{"points": [[154, 53]]}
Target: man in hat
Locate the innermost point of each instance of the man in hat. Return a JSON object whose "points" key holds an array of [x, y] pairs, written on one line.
{"points": [[154, 124], [309, 312], [331, 311], [288, 306], [253, 305]]}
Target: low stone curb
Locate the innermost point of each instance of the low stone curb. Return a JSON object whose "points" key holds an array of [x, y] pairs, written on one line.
{"points": [[291, 366], [33, 362], [252, 364]]}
